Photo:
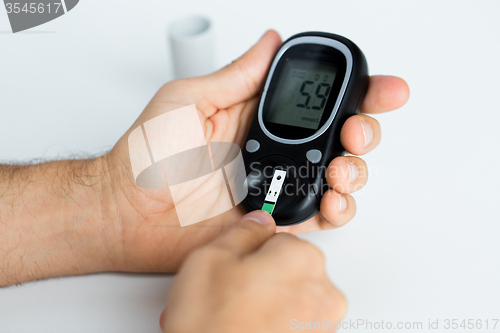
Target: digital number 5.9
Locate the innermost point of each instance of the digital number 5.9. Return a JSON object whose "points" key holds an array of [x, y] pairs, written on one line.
{"points": [[322, 92]]}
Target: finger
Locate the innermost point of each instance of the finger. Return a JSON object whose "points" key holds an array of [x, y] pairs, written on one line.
{"points": [[336, 209], [243, 78], [360, 134], [347, 174], [228, 125], [247, 234], [385, 93], [163, 317]]}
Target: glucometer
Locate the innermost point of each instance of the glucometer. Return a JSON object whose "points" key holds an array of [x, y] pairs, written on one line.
{"points": [[316, 81]]}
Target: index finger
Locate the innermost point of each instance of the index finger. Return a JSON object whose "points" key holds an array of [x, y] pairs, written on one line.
{"points": [[385, 93], [246, 235]]}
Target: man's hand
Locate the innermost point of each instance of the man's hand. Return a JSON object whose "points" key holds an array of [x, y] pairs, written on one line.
{"points": [[149, 237], [252, 280], [85, 216]]}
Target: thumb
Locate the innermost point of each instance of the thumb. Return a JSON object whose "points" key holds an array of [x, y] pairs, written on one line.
{"points": [[248, 234], [244, 77], [163, 317]]}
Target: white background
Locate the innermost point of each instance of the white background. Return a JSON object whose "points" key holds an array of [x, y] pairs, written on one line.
{"points": [[425, 243]]}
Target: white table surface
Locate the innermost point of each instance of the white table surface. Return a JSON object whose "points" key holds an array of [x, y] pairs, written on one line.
{"points": [[425, 243]]}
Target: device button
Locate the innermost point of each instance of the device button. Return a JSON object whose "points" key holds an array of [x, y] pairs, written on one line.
{"points": [[252, 146], [314, 155]]}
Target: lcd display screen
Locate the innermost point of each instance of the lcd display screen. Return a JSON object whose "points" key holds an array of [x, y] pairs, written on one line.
{"points": [[301, 93]]}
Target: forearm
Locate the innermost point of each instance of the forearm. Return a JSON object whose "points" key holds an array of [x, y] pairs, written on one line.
{"points": [[55, 219]]}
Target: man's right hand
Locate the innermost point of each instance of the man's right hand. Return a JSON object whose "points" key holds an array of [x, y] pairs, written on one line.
{"points": [[251, 279]]}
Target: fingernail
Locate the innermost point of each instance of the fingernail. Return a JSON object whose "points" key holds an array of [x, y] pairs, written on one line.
{"points": [[343, 203], [258, 216], [353, 171], [367, 132]]}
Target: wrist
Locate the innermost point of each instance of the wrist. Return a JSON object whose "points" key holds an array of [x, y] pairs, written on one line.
{"points": [[54, 220], [92, 220]]}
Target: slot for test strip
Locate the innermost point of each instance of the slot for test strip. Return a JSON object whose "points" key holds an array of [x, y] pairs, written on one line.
{"points": [[274, 190]]}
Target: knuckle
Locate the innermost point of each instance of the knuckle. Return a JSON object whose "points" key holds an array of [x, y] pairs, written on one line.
{"points": [[311, 251], [178, 86], [335, 303], [306, 255], [340, 305], [169, 85]]}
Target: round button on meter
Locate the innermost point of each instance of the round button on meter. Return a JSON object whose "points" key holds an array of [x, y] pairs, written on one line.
{"points": [[314, 156], [252, 146]]}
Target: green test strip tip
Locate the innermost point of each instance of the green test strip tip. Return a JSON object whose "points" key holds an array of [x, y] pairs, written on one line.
{"points": [[268, 207]]}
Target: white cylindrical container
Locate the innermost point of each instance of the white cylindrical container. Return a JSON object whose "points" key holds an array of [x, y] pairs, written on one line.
{"points": [[192, 45]]}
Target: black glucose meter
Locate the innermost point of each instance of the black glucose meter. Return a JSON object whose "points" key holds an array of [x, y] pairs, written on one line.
{"points": [[316, 81]]}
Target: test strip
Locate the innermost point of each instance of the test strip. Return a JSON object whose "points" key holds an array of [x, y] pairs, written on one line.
{"points": [[274, 191]]}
